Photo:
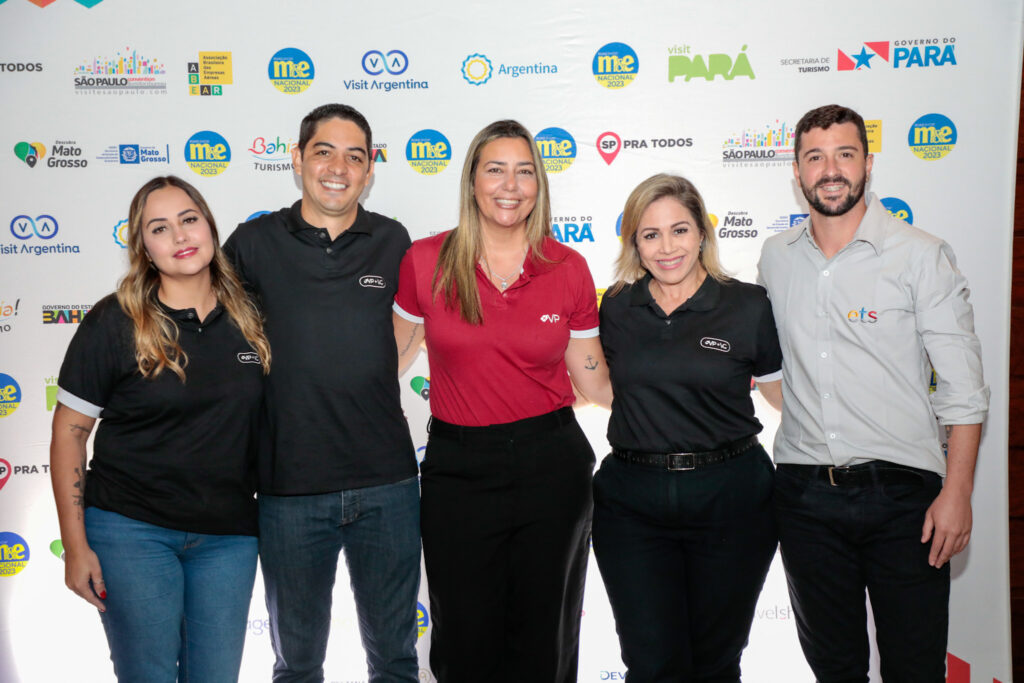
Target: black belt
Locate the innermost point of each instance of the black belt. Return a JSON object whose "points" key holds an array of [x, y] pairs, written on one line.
{"points": [[687, 461], [875, 472]]}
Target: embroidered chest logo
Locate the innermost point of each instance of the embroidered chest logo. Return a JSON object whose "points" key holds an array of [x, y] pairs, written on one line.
{"points": [[715, 344], [375, 281], [552, 318], [248, 357], [862, 316]]}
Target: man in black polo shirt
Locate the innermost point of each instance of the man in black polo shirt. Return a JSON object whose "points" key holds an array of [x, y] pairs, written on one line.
{"points": [[336, 463]]}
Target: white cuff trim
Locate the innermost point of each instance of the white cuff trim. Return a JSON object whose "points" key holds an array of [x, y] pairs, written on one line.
{"points": [[408, 316], [584, 334], [770, 377], [80, 404]]}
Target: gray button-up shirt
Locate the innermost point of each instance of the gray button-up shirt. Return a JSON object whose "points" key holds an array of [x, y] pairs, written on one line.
{"points": [[860, 334]]}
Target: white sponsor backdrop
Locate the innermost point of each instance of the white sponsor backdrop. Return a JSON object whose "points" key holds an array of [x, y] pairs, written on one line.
{"points": [[754, 69]]}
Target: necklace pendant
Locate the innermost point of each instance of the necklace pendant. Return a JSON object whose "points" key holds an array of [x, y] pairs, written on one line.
{"points": [[504, 284]]}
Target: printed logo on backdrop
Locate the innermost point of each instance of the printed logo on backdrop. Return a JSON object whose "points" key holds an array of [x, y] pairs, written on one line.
{"points": [[50, 391], [5, 472], [290, 70], [428, 152], [272, 154], [208, 76], [572, 229], [256, 214], [125, 73], [88, 4], [615, 65], [57, 548], [785, 221], [10, 395], [258, 627], [34, 235], [898, 54], [557, 149], [421, 385], [207, 153], [898, 208], [8, 312], [932, 137], [477, 69], [814, 64], [735, 225], [14, 553], [385, 67], [20, 67], [136, 155], [121, 233], [63, 154], [609, 144], [64, 314], [683, 63], [767, 145], [422, 619], [380, 153]]}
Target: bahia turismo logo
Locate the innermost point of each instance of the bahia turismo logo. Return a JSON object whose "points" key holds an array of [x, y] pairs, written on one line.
{"points": [[421, 385], [208, 75], [126, 73], [615, 65], [8, 312], [10, 395], [557, 149], [207, 153], [477, 69], [768, 145], [572, 229], [291, 70], [899, 54], [932, 137], [136, 155], [428, 152], [121, 233], [272, 154], [30, 230], [898, 208], [64, 314], [683, 63], [14, 553], [30, 152], [385, 68], [422, 619]]}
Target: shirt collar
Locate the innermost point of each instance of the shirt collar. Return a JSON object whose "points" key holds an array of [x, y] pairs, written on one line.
{"points": [[189, 317], [704, 299], [873, 227], [296, 223]]}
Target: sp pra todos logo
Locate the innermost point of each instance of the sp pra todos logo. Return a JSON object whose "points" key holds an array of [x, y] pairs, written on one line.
{"points": [[290, 70]]}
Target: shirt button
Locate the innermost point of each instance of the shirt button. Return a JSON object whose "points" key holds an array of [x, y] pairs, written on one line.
{"points": [[821, 314], [824, 354], [826, 395], [825, 273], [323, 235], [191, 315], [832, 435], [329, 250]]}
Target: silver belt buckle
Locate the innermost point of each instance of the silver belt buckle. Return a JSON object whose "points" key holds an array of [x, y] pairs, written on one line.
{"points": [[841, 468], [683, 468]]}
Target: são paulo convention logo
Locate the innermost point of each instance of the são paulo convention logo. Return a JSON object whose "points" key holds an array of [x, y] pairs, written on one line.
{"points": [[10, 395], [683, 63], [615, 65], [932, 137], [207, 153], [208, 75], [291, 70], [557, 149], [127, 72], [14, 552], [428, 152], [898, 54], [477, 69], [765, 145], [898, 208]]}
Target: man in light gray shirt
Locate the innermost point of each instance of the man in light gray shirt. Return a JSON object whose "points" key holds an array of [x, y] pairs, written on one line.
{"points": [[866, 306]]}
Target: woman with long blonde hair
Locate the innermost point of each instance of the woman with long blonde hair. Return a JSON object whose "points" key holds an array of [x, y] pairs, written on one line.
{"points": [[508, 315], [159, 532]]}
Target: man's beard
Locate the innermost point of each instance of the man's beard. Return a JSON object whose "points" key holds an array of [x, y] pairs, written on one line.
{"points": [[855, 195]]}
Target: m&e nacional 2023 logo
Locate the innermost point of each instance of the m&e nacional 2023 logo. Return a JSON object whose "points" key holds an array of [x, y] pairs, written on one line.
{"points": [[428, 151], [207, 153], [291, 70]]}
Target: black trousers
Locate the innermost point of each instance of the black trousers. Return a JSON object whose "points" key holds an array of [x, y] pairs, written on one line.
{"points": [[837, 541], [683, 556], [505, 518]]}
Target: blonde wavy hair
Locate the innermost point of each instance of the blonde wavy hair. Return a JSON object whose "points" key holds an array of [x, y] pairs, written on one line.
{"points": [[156, 335], [455, 271], [628, 267]]}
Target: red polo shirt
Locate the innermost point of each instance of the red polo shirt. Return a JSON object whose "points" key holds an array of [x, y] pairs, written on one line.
{"points": [[513, 365]]}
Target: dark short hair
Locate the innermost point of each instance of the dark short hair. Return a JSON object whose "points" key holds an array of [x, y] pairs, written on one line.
{"points": [[824, 117], [333, 111]]}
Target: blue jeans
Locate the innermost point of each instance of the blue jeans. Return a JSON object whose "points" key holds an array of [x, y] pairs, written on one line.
{"points": [[300, 538], [177, 602]]}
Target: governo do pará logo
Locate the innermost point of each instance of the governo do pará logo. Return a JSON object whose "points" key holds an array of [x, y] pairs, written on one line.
{"points": [[428, 151], [291, 70], [615, 65], [207, 153]]}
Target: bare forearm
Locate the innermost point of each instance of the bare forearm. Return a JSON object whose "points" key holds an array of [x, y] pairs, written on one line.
{"points": [[962, 455], [408, 338], [67, 472]]}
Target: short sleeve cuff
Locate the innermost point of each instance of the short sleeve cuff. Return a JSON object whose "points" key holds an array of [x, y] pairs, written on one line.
{"points": [[80, 404], [770, 377], [582, 334], [404, 314]]}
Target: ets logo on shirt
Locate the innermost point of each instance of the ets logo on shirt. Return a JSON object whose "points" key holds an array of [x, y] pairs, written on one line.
{"points": [[862, 315]]}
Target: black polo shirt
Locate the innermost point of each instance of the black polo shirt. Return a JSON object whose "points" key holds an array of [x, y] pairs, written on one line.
{"points": [[333, 417], [177, 455], [682, 380]]}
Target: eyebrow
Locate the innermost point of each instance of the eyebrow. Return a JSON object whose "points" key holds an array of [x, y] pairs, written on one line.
{"points": [[505, 163], [180, 214], [323, 143], [841, 147]]}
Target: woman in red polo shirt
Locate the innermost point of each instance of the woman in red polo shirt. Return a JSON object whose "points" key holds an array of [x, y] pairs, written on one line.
{"points": [[508, 314]]}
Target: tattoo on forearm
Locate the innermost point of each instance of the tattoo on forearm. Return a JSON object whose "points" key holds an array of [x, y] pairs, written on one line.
{"points": [[79, 430], [591, 364], [78, 498], [949, 431], [412, 338]]}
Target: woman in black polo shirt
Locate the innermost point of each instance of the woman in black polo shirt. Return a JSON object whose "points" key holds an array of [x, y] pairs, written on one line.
{"points": [[683, 526], [160, 535]]}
